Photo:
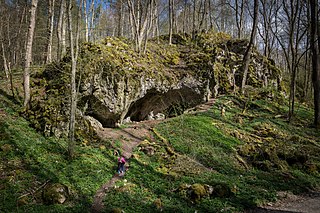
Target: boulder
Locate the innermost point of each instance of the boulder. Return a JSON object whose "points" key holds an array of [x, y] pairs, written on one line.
{"points": [[55, 194]]}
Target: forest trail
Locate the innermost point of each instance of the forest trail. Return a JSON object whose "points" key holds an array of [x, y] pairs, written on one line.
{"points": [[129, 137]]}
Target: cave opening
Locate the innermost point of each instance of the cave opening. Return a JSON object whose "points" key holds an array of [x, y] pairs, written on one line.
{"points": [[159, 105]]}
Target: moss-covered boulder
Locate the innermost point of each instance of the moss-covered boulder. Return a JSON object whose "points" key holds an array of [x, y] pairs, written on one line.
{"points": [[55, 194], [195, 192]]}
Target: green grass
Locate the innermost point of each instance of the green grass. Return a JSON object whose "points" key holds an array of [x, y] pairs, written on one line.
{"points": [[207, 141], [32, 159]]}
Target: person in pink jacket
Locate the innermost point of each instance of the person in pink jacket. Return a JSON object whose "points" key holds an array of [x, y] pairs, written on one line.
{"points": [[121, 162]]}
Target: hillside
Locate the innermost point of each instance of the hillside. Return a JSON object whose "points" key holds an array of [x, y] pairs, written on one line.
{"points": [[200, 161], [230, 153]]}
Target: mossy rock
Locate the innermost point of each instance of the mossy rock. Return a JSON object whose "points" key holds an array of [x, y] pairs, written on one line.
{"points": [[183, 190], [55, 194], [158, 204], [127, 187], [223, 190], [6, 148], [198, 191], [116, 210]]}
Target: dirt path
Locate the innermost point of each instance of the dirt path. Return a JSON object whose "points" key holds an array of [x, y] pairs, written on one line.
{"points": [[290, 203], [130, 137]]}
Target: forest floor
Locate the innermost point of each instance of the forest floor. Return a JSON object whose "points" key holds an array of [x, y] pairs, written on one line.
{"points": [[131, 135]]}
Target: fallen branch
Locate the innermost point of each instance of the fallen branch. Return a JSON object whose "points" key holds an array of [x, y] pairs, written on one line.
{"points": [[35, 190]]}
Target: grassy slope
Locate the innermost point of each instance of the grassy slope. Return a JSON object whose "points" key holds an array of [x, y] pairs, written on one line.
{"points": [[28, 160], [209, 139]]}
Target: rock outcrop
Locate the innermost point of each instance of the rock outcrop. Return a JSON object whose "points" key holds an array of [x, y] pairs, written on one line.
{"points": [[116, 83]]}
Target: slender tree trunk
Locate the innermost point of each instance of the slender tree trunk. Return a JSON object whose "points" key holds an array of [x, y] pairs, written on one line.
{"points": [[73, 85], [170, 21], [315, 48], [17, 47], [294, 26], [85, 21], [139, 25], [194, 20], [246, 57], [28, 55], [184, 17], [210, 15], [92, 38], [50, 30], [60, 29], [152, 17], [63, 32], [5, 65]]}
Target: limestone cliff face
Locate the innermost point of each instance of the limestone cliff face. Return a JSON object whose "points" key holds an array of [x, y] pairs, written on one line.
{"points": [[115, 83], [110, 100]]}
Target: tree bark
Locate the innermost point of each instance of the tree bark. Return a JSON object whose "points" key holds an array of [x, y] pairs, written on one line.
{"points": [[92, 38], [60, 29], [170, 20], [50, 30], [139, 21], [315, 48], [5, 65], [85, 21], [28, 54], [73, 105], [247, 55], [194, 20]]}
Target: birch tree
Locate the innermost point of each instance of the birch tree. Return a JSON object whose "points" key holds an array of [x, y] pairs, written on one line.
{"points": [[74, 49], [170, 21], [61, 30], [50, 30], [28, 54], [140, 17]]}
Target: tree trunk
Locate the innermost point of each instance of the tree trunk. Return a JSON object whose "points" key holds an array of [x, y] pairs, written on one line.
{"points": [[92, 21], [5, 65], [194, 20], [139, 23], [170, 20], [246, 57], [28, 55], [50, 30], [85, 20], [73, 85], [315, 60], [60, 30]]}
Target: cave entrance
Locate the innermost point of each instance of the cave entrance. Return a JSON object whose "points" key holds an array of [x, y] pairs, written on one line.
{"points": [[171, 103]]}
